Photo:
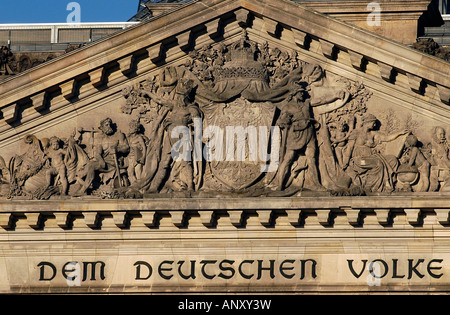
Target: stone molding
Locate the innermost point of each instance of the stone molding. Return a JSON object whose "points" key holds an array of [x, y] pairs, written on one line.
{"points": [[97, 61], [360, 212], [357, 10]]}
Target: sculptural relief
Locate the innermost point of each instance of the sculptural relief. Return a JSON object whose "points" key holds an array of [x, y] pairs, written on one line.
{"points": [[138, 143], [440, 163], [245, 119], [299, 135], [57, 169], [13, 63], [374, 170], [414, 167], [107, 161]]}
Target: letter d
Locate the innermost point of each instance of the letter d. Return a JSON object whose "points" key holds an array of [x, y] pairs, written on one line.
{"points": [[138, 265], [42, 271]]}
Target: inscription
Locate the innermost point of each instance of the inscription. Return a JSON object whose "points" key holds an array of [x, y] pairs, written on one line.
{"points": [[228, 269], [253, 270], [71, 271], [415, 268]]}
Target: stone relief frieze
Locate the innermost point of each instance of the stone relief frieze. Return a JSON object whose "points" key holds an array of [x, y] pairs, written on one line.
{"points": [[14, 63], [244, 119]]}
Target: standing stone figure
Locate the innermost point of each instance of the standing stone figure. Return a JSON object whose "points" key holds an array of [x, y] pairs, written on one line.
{"points": [[138, 151], [440, 160], [182, 112], [299, 138], [339, 140], [5, 57], [56, 155]]}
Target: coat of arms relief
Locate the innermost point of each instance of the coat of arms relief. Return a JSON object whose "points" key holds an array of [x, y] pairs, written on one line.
{"points": [[244, 119]]}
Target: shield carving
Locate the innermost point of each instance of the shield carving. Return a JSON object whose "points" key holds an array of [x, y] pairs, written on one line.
{"points": [[240, 102], [242, 154]]}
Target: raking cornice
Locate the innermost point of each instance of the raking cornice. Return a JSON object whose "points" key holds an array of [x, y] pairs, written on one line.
{"points": [[149, 38]]}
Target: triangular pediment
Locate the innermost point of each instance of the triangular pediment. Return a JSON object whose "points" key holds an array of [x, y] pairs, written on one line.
{"points": [[401, 86], [282, 22]]}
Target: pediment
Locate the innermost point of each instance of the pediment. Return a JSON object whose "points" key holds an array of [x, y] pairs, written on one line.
{"points": [[361, 75]]}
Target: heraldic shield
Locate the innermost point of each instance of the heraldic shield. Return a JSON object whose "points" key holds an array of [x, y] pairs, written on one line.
{"points": [[239, 114], [244, 129]]}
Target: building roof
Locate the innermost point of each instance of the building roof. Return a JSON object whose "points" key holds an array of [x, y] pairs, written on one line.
{"points": [[32, 44], [55, 36]]}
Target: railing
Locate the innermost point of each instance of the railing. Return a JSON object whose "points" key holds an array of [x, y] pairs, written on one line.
{"points": [[55, 28]]}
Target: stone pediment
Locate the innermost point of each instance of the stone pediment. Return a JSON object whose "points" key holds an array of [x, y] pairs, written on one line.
{"points": [[250, 64]]}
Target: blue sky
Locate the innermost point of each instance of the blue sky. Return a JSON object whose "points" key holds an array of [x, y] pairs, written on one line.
{"points": [[55, 11]]}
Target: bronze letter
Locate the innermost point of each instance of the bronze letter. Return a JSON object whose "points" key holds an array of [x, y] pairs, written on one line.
{"points": [[313, 268], [93, 264], [412, 268], [350, 266], [429, 268], [270, 268], [282, 269], [192, 275], [160, 269], [205, 262], [138, 270], [222, 275], [42, 271], [240, 269]]}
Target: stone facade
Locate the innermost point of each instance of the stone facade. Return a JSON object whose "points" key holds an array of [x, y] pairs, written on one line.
{"points": [[245, 245], [229, 146]]}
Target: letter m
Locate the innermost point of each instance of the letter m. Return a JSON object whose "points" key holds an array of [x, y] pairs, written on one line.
{"points": [[93, 266]]}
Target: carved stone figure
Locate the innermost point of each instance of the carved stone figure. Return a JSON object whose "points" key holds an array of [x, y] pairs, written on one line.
{"points": [[24, 169], [108, 158], [414, 167], [56, 156], [4, 172], [374, 171], [182, 112], [440, 160], [138, 151], [5, 59], [242, 118], [339, 140], [327, 99], [299, 135]]}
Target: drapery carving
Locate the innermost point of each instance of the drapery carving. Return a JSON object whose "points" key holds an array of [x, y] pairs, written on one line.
{"points": [[245, 119]]}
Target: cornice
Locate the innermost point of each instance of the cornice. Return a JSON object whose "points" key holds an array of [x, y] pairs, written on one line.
{"points": [[300, 212], [178, 28], [396, 6]]}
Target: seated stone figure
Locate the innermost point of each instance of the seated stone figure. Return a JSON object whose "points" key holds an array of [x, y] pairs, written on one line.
{"points": [[108, 158], [371, 170], [415, 168]]}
